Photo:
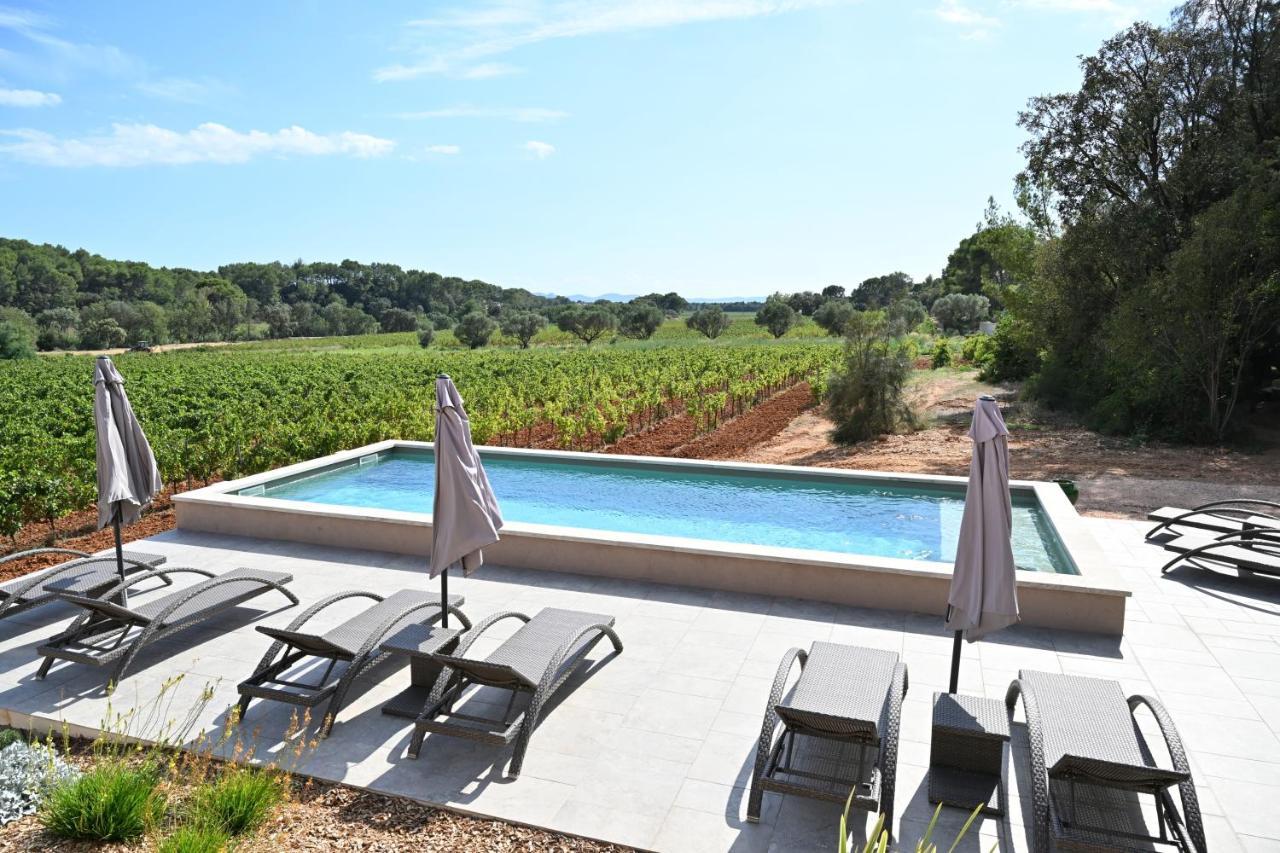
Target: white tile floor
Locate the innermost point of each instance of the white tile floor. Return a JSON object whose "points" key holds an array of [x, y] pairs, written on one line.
{"points": [[653, 747]]}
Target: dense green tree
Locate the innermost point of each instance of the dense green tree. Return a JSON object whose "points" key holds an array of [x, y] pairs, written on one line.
{"points": [[834, 315], [671, 303], [881, 291], [805, 302], [905, 315], [57, 328], [425, 336], [522, 325], [709, 320], [640, 320], [190, 318], [960, 313], [103, 333], [587, 324], [17, 334], [279, 320], [833, 291], [776, 316], [475, 329], [397, 320]]}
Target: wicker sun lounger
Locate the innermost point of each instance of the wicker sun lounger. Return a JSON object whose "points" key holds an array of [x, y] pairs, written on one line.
{"points": [[356, 642], [1256, 551], [108, 633], [86, 575], [839, 729], [1089, 761], [1233, 516], [535, 662]]}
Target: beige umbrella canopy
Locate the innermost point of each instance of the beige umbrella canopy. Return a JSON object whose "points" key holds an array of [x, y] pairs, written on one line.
{"points": [[465, 516], [128, 478], [984, 588]]}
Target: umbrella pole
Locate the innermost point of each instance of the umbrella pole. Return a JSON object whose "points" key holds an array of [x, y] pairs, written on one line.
{"points": [[115, 525], [444, 598], [955, 664]]}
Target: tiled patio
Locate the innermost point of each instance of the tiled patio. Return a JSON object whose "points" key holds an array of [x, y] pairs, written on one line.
{"points": [[653, 747]]}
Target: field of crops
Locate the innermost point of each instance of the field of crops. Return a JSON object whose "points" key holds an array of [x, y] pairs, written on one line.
{"points": [[237, 410]]}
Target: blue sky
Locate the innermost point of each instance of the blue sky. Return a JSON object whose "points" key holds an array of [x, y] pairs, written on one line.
{"points": [[714, 147]]}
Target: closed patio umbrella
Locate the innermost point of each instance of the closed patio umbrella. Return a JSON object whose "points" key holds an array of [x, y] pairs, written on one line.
{"points": [[128, 478], [465, 516], [984, 588]]}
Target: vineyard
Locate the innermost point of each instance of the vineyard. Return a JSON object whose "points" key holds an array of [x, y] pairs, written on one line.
{"points": [[233, 411]]}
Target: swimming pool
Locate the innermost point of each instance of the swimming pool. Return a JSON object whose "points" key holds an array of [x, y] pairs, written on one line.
{"points": [[897, 521]]}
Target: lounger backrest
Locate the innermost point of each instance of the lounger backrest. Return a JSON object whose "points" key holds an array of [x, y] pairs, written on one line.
{"points": [[842, 692], [523, 658], [484, 672], [1089, 732], [312, 644], [107, 609]]}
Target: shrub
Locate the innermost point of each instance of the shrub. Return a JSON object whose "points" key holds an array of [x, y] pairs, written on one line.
{"points": [[397, 320], [425, 336], [16, 341], [237, 803], [1014, 353], [522, 325], [475, 329], [776, 316], [833, 316], [710, 321], [866, 396], [194, 839], [28, 772], [111, 802], [961, 312], [102, 334], [941, 355], [640, 320], [587, 324]]}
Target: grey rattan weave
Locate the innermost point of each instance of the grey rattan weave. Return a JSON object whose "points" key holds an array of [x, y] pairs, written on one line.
{"points": [[1255, 551], [834, 731], [535, 662], [1230, 516], [357, 642], [1089, 761], [85, 575], [108, 633], [966, 752]]}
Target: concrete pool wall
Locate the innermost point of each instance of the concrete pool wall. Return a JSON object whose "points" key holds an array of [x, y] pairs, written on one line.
{"points": [[1093, 600]]}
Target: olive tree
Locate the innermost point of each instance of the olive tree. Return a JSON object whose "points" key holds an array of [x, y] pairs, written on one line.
{"points": [[710, 321], [522, 325], [475, 329]]}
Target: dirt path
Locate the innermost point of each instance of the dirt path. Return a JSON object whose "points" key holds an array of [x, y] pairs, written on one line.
{"points": [[1116, 476], [155, 348]]}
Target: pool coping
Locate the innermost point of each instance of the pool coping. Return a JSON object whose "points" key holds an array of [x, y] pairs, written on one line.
{"points": [[1093, 600]]}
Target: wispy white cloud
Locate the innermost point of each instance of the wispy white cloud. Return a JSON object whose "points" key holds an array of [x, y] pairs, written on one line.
{"points": [[541, 150], [28, 98], [50, 55], [182, 89], [453, 41], [147, 145], [972, 23], [488, 70], [444, 149], [526, 114]]}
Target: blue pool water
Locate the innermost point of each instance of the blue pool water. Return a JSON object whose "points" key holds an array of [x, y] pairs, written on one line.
{"points": [[913, 523]]}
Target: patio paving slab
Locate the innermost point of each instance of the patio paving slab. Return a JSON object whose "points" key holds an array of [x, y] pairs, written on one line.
{"points": [[654, 747]]}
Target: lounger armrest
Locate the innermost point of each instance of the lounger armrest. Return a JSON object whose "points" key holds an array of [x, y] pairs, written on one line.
{"points": [[191, 592], [35, 552], [562, 653], [1267, 544], [1178, 756], [484, 625], [765, 745], [133, 580], [1237, 501]]}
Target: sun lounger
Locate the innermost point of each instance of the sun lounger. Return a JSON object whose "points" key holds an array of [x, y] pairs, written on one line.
{"points": [[86, 575], [1235, 516], [108, 633], [535, 662], [834, 731], [1089, 760], [1257, 552], [356, 642]]}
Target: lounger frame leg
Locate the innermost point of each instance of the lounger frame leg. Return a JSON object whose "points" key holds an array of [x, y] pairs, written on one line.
{"points": [[764, 746]]}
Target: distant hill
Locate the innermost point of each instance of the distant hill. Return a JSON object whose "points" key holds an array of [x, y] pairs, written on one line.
{"points": [[627, 297]]}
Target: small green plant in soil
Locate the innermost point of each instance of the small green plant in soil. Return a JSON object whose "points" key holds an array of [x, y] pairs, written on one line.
{"points": [[237, 803], [112, 802], [194, 839]]}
